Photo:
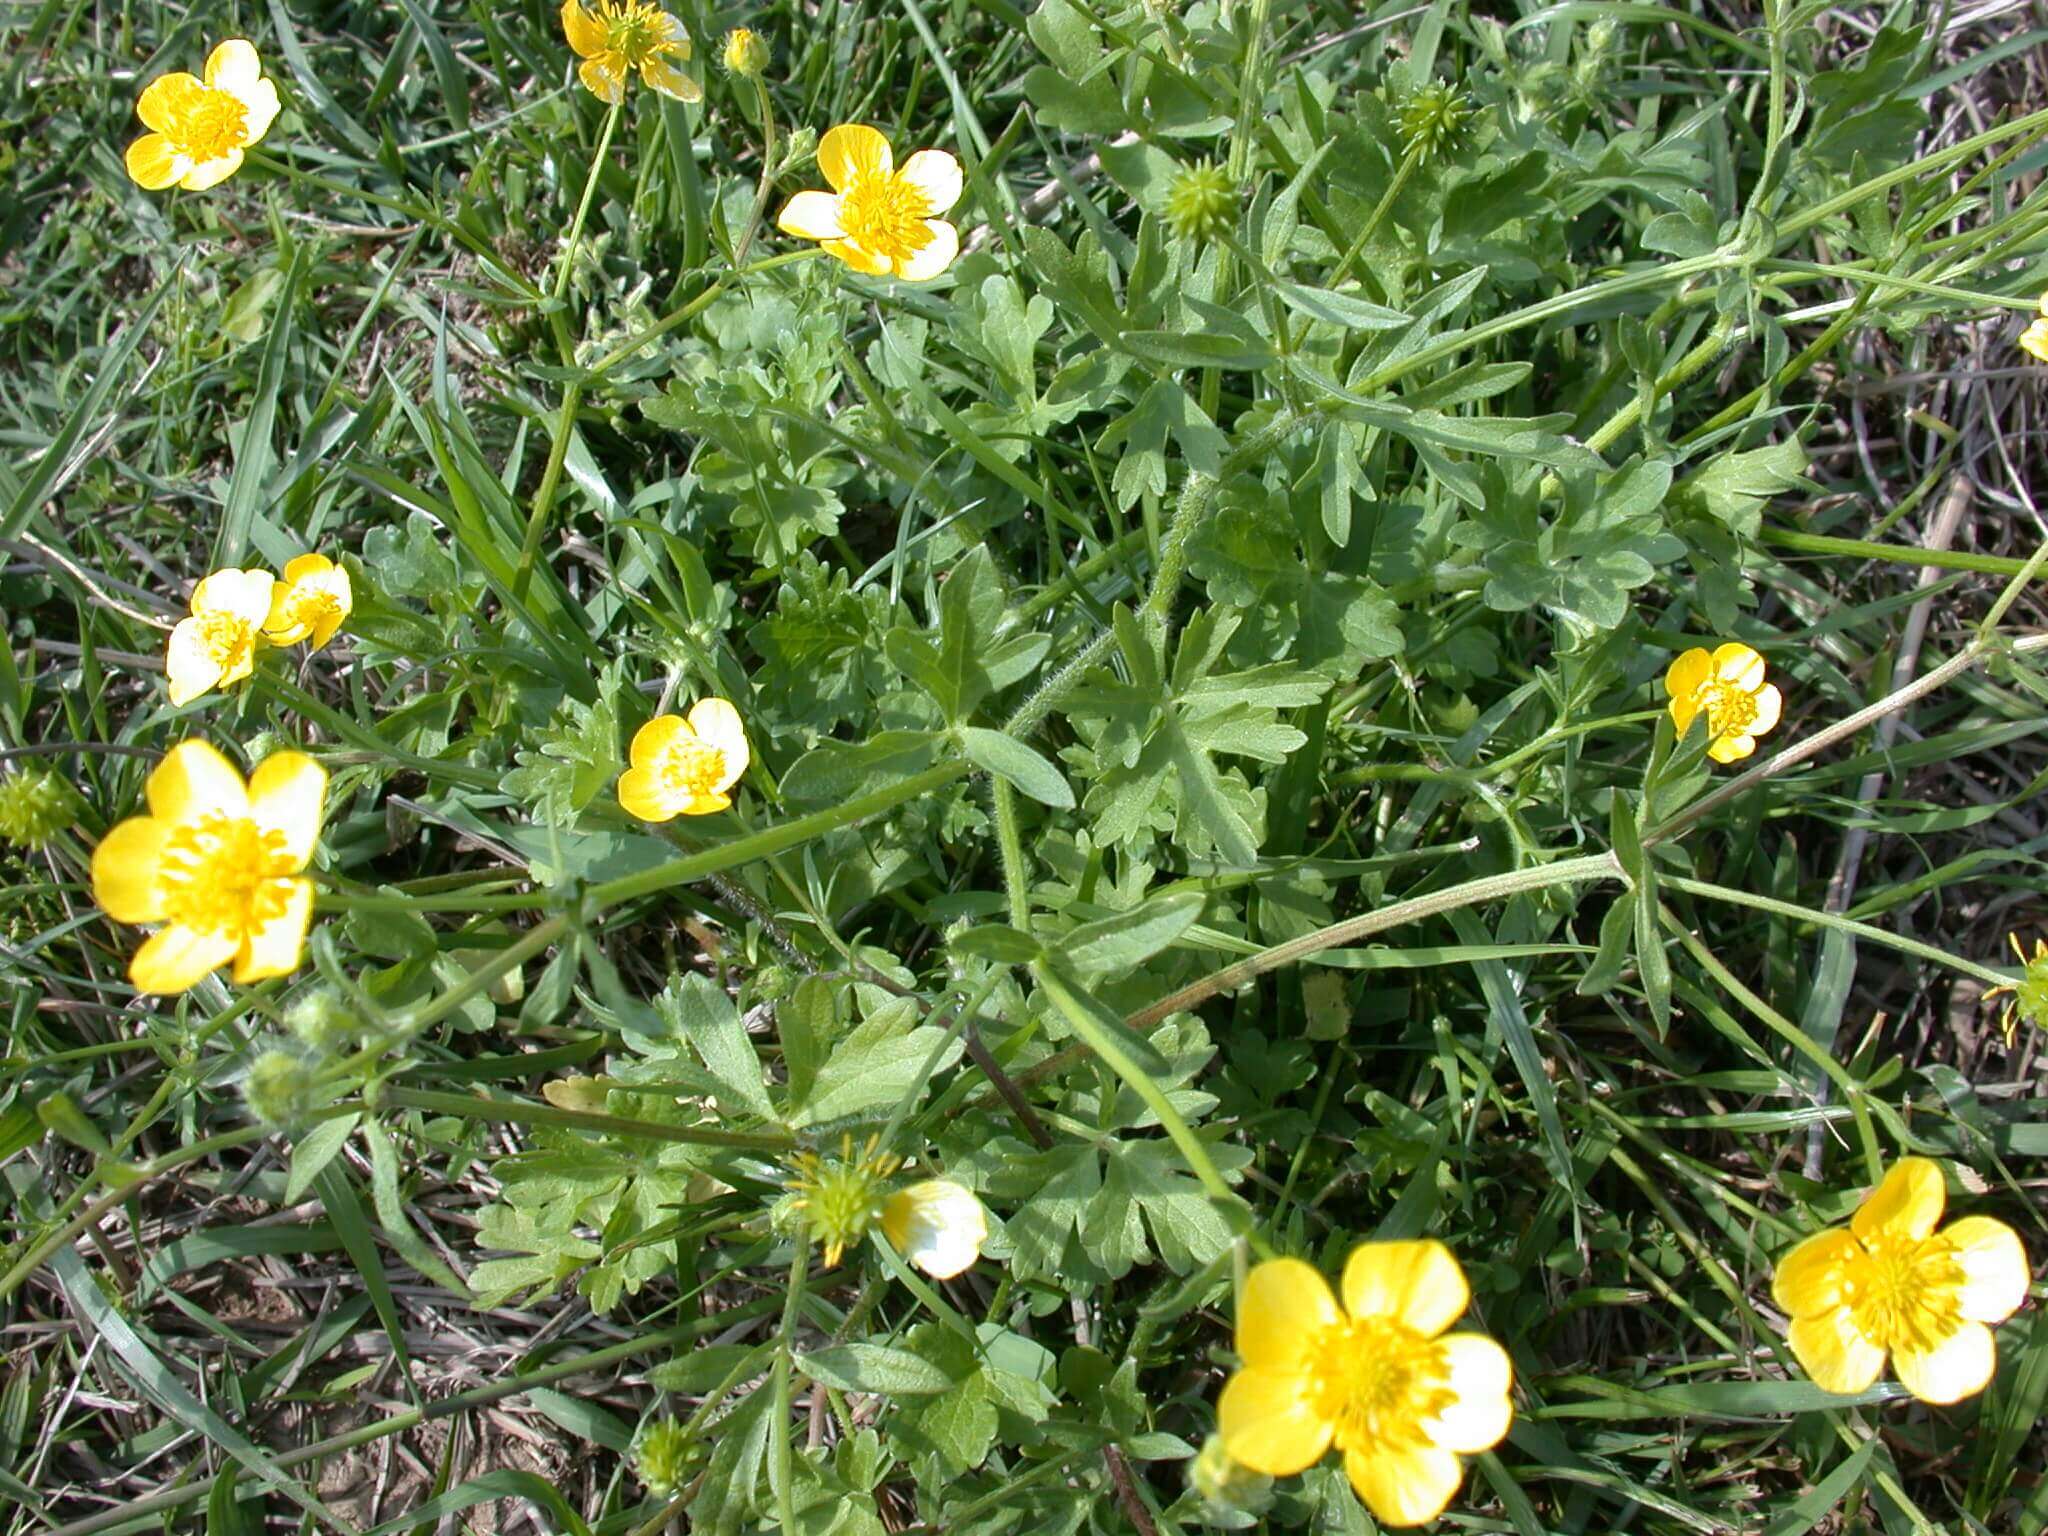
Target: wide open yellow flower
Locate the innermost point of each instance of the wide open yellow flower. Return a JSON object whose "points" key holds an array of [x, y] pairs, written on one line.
{"points": [[201, 127], [217, 644], [1379, 1378], [1727, 685], [685, 767], [309, 603], [936, 1224], [877, 218], [616, 37], [218, 863], [1888, 1283]]}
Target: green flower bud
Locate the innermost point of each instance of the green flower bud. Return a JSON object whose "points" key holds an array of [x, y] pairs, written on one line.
{"points": [[280, 1089], [661, 1458], [745, 53], [1200, 201], [35, 805], [323, 1023]]}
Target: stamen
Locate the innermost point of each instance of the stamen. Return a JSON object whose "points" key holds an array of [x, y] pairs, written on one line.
{"points": [[224, 874]]}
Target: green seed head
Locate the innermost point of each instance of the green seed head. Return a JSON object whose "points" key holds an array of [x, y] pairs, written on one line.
{"points": [[280, 1090], [661, 1458], [1201, 202], [1431, 120], [35, 805]]}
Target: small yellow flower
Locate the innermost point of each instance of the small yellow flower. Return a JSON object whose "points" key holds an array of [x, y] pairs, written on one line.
{"points": [[1728, 686], [217, 644], [218, 863], [745, 53], [2029, 993], [309, 603], [1888, 1283], [936, 1224], [685, 767], [2034, 339], [877, 218], [1379, 1378], [201, 127], [841, 1197], [616, 37]]}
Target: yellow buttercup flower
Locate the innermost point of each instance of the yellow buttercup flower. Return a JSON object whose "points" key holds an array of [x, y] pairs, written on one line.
{"points": [[616, 37], [200, 127], [1379, 1378], [1888, 1283], [218, 863], [685, 767], [309, 603], [879, 218], [2029, 994], [936, 1224], [217, 644], [1727, 685]]}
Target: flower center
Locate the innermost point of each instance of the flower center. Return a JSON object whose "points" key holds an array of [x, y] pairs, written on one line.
{"points": [[634, 32], [693, 768], [214, 124], [229, 638], [310, 606], [1903, 1294], [1730, 711], [1376, 1381], [886, 214], [224, 874]]}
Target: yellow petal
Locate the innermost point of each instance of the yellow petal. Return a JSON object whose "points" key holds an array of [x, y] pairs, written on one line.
{"points": [[166, 99], [582, 30], [1769, 706], [124, 869], [1808, 1280], [1269, 1424], [1685, 675], [860, 258], [850, 151], [190, 667], [2034, 339], [1995, 1272], [642, 793], [1738, 666], [811, 215], [1285, 1304], [705, 805], [1907, 1204], [654, 739], [243, 595], [670, 81], [234, 66], [1684, 706], [275, 948], [1959, 1367], [211, 173], [153, 164], [934, 256], [936, 1224], [1731, 749], [194, 780], [176, 959], [1480, 1374], [718, 724], [299, 567], [1417, 1284], [288, 794], [937, 175], [1404, 1484], [603, 78], [1834, 1352]]}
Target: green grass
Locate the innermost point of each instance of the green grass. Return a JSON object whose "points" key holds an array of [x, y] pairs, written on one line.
{"points": [[1211, 788]]}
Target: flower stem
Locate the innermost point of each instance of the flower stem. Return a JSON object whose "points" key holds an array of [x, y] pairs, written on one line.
{"points": [[515, 1112], [575, 236], [767, 184]]}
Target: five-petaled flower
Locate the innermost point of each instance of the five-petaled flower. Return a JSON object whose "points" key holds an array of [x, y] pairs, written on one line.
{"points": [[936, 1224], [199, 128], [1379, 1378], [1888, 1283], [308, 603], [218, 862], [685, 767], [216, 645], [1727, 686], [616, 37], [879, 218]]}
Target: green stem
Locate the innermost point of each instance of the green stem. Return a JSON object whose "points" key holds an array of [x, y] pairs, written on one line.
{"points": [[784, 1470], [1372, 222], [550, 481], [510, 958], [1897, 554], [1011, 846], [575, 238], [510, 1112], [767, 183]]}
